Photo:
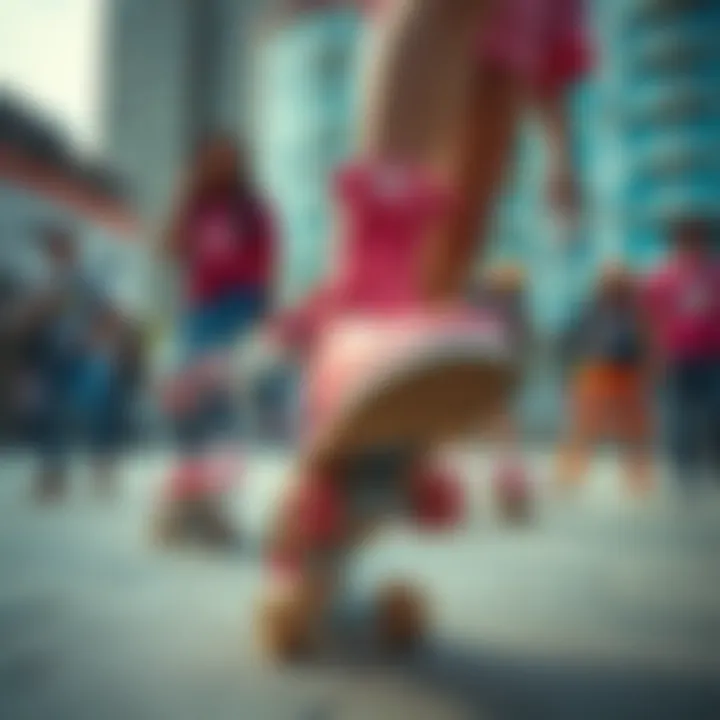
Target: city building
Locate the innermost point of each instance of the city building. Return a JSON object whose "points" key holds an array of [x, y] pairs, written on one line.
{"points": [[305, 95], [42, 184], [671, 113], [175, 70]]}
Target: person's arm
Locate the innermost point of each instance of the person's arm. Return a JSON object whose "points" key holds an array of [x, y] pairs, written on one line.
{"points": [[174, 235], [173, 238], [268, 260]]}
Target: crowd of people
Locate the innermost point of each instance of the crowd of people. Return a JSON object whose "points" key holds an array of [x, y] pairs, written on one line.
{"points": [[74, 367], [640, 358], [78, 362]]}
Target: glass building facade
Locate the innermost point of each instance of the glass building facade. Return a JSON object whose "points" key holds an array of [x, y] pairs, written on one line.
{"points": [[671, 111], [175, 69], [305, 103]]}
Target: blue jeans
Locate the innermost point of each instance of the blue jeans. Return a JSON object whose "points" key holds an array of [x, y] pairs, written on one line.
{"points": [[54, 419], [693, 404], [104, 404], [213, 325], [209, 327]]}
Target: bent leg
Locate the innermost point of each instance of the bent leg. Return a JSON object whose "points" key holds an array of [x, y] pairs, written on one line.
{"points": [[586, 425], [478, 166], [418, 78]]}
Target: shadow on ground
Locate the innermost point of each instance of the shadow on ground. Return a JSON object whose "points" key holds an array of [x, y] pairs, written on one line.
{"points": [[484, 685]]}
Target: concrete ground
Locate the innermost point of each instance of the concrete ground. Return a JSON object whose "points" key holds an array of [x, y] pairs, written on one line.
{"points": [[603, 608]]}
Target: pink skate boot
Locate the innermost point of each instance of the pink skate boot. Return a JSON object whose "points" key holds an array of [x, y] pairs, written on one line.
{"points": [[437, 500], [312, 528]]}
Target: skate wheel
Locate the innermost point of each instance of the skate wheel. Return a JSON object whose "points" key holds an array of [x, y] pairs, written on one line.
{"points": [[286, 621], [401, 618]]}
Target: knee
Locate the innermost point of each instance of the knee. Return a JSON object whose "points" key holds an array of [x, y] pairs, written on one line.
{"points": [[442, 13], [457, 9]]}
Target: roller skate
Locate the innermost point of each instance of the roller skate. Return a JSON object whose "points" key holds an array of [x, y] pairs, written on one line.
{"points": [[306, 550], [193, 505], [387, 382]]}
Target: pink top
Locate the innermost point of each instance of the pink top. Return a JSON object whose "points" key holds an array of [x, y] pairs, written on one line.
{"points": [[544, 41], [229, 248], [683, 301]]}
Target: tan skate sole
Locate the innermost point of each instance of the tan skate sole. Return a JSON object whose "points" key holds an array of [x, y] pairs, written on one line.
{"points": [[429, 400], [402, 618], [288, 619]]}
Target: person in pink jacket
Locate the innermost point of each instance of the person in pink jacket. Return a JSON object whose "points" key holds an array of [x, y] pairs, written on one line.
{"points": [[221, 239], [683, 304]]}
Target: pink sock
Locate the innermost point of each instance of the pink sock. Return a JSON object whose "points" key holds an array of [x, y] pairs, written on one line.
{"points": [[388, 211]]}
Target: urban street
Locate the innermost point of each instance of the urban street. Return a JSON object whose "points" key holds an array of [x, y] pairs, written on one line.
{"points": [[602, 607]]}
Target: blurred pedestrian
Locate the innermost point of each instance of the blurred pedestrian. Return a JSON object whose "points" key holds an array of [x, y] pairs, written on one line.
{"points": [[609, 389], [109, 385], [53, 323], [221, 237], [683, 303], [502, 294]]}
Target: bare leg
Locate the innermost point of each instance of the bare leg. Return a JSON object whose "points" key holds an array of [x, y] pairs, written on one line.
{"points": [[419, 78], [587, 413], [478, 165], [634, 431]]}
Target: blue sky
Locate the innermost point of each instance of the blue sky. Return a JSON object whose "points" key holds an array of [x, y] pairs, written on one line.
{"points": [[50, 52]]}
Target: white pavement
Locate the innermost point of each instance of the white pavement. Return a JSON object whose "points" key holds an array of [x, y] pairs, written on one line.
{"points": [[601, 609]]}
